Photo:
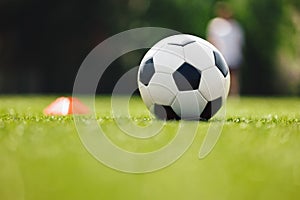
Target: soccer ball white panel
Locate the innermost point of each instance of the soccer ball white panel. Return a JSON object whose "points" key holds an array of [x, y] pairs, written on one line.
{"points": [[203, 42], [227, 83], [165, 80], [161, 94], [162, 88], [177, 50], [198, 56], [145, 95], [151, 52], [176, 40], [189, 104], [208, 51], [212, 84], [167, 62]]}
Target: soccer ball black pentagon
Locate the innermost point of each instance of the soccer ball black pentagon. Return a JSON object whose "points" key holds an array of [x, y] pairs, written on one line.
{"points": [[183, 77]]}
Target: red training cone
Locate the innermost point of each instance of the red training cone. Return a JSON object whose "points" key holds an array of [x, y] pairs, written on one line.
{"points": [[66, 106]]}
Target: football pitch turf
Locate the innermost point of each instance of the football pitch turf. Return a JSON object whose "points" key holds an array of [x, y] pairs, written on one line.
{"points": [[256, 157]]}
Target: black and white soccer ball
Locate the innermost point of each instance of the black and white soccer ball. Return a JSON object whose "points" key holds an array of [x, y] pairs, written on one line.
{"points": [[183, 77]]}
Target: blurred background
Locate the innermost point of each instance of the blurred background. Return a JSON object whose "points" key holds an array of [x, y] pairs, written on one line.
{"points": [[43, 43]]}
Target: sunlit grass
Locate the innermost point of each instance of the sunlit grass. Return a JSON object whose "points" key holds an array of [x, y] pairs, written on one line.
{"points": [[256, 157]]}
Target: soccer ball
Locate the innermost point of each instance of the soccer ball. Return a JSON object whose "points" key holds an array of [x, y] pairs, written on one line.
{"points": [[183, 77]]}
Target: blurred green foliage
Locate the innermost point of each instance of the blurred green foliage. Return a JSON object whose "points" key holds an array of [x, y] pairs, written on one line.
{"points": [[42, 43], [262, 28]]}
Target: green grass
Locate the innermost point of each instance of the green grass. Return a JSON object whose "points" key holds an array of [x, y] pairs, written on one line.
{"points": [[256, 157]]}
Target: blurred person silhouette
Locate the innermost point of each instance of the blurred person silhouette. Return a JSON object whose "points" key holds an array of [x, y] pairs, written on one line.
{"points": [[226, 34]]}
